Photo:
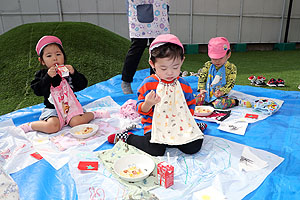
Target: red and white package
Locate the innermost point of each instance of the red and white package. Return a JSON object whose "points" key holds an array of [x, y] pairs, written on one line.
{"points": [[165, 174], [62, 71]]}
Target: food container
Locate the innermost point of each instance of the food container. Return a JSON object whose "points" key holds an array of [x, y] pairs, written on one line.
{"points": [[202, 111], [165, 174], [134, 167], [84, 130], [62, 71]]}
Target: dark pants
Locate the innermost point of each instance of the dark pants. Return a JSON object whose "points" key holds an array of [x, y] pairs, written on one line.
{"points": [[133, 58], [154, 149]]}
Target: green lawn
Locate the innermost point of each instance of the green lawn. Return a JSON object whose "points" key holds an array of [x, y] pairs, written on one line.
{"points": [[99, 55], [270, 64]]}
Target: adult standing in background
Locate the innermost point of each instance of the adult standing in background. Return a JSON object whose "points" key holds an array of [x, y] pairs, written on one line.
{"points": [[147, 19]]}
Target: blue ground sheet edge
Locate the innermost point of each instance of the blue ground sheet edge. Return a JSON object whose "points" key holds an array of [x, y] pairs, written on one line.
{"points": [[278, 134]]}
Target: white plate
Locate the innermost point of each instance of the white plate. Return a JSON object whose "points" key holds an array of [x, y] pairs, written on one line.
{"points": [[143, 162], [208, 110], [74, 131]]}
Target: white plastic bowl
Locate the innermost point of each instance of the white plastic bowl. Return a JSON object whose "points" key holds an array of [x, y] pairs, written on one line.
{"points": [[208, 111], [143, 162], [74, 131]]}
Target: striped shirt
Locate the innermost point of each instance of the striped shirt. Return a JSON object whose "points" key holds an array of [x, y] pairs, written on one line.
{"points": [[150, 83]]}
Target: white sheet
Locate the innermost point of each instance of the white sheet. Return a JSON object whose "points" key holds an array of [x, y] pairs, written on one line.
{"points": [[15, 147], [236, 123], [15, 144], [214, 168]]}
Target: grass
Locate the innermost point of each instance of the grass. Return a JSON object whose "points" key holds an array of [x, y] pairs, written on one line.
{"points": [[99, 55], [270, 64], [92, 50]]}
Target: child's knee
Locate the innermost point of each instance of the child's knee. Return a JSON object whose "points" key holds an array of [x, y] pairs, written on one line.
{"points": [[78, 120], [192, 147], [52, 128], [158, 151], [74, 122]]}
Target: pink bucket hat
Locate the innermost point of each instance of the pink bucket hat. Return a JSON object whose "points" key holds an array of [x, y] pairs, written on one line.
{"points": [[218, 47], [163, 39], [44, 41]]}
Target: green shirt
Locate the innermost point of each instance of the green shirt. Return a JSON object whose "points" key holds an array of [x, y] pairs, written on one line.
{"points": [[230, 70]]}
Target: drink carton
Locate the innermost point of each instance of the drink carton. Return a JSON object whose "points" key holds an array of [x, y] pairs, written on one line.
{"points": [[62, 71], [165, 174]]}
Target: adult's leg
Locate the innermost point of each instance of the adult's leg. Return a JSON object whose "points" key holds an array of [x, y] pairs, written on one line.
{"points": [[133, 58], [192, 147], [143, 143], [151, 70]]}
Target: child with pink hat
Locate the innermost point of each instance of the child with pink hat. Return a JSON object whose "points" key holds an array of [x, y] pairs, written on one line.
{"points": [[166, 104], [218, 76], [57, 83]]}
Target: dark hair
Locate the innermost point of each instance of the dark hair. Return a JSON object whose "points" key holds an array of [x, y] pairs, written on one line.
{"points": [[170, 50], [60, 47], [228, 51]]}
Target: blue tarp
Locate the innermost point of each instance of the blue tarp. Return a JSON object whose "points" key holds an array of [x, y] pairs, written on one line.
{"points": [[278, 134]]}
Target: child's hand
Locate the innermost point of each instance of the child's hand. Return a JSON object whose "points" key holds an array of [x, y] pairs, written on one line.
{"points": [[218, 93], [202, 92], [150, 100], [70, 68], [52, 72], [200, 98]]}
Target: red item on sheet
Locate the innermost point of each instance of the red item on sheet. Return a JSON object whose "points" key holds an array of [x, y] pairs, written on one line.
{"points": [[88, 165], [252, 116], [37, 156], [165, 174]]}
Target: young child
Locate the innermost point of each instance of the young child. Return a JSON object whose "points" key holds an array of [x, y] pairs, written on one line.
{"points": [[48, 81], [218, 76], [166, 104]]}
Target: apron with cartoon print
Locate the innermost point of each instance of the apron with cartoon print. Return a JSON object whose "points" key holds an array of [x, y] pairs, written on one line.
{"points": [[215, 80], [173, 123], [65, 102]]}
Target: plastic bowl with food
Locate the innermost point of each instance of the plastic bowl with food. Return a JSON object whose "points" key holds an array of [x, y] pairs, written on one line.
{"points": [[84, 130], [134, 167], [201, 111]]}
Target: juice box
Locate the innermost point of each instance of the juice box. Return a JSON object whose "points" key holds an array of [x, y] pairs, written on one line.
{"points": [[62, 71], [165, 174]]}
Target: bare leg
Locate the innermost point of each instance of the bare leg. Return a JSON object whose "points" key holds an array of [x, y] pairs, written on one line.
{"points": [[81, 119], [52, 125]]}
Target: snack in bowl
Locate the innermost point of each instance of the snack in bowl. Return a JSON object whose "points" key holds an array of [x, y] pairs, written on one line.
{"points": [[203, 110], [132, 171], [84, 130], [134, 167]]}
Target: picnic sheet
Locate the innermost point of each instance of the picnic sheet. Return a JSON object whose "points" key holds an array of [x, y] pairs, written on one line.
{"points": [[277, 134], [215, 166], [56, 148], [240, 116]]}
